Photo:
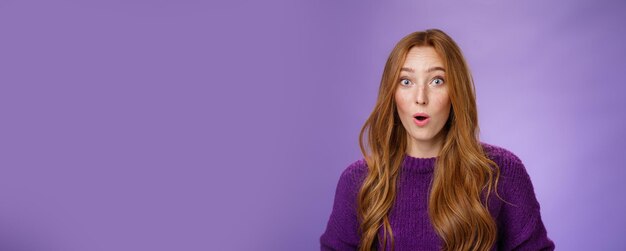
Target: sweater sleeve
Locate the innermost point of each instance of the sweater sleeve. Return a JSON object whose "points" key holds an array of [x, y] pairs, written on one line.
{"points": [[520, 225], [342, 228]]}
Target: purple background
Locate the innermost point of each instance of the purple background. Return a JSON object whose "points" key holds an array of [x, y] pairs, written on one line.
{"points": [[183, 125]]}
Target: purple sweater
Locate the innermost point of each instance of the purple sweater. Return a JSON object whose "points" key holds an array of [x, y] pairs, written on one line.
{"points": [[519, 228]]}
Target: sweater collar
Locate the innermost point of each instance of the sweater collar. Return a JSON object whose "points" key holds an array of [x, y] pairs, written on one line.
{"points": [[422, 165]]}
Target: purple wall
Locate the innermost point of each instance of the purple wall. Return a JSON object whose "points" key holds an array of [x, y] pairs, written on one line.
{"points": [[181, 125]]}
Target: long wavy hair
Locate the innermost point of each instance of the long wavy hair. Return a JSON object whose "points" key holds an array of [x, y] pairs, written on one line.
{"points": [[462, 172]]}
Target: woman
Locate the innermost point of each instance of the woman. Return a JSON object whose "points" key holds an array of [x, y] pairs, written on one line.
{"points": [[427, 182]]}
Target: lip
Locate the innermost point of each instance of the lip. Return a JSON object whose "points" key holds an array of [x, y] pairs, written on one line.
{"points": [[422, 122], [420, 114]]}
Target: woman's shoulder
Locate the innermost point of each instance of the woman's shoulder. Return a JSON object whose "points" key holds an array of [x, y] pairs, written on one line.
{"points": [[350, 181], [514, 177], [495, 152], [519, 218], [508, 161], [355, 171]]}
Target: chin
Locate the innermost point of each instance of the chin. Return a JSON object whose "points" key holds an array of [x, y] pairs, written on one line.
{"points": [[422, 136]]}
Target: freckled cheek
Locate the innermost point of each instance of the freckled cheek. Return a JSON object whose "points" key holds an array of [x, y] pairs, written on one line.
{"points": [[402, 102], [442, 103]]}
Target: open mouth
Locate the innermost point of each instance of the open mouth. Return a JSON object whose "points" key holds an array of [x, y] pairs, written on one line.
{"points": [[420, 118]]}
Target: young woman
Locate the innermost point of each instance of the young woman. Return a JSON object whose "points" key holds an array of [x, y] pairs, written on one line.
{"points": [[426, 182]]}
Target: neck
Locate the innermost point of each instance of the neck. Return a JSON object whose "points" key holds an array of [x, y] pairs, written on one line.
{"points": [[424, 149]]}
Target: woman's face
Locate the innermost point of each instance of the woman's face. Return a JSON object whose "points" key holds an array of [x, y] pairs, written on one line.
{"points": [[422, 88]]}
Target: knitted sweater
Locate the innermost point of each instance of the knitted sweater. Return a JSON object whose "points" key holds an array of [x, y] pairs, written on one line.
{"points": [[519, 227]]}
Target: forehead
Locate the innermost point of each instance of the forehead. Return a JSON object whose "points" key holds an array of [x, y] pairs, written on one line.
{"points": [[422, 58]]}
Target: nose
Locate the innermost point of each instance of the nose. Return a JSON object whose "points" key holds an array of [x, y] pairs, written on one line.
{"points": [[421, 96]]}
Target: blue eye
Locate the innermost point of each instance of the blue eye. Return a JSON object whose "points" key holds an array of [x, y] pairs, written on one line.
{"points": [[405, 82], [438, 81]]}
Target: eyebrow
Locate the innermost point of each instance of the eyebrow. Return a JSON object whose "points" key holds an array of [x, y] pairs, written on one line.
{"points": [[436, 68]]}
